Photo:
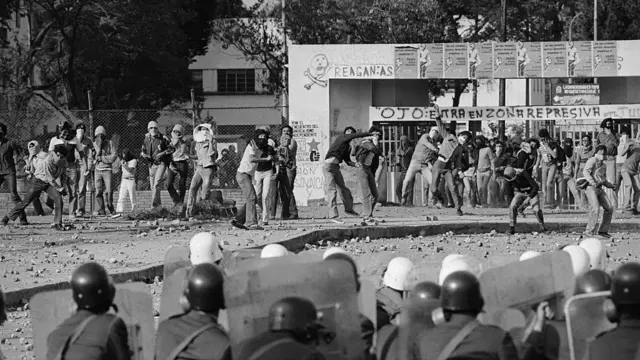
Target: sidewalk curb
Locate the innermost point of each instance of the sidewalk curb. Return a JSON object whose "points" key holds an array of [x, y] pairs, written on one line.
{"points": [[296, 243]]}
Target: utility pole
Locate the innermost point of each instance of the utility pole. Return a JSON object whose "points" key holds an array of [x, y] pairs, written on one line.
{"points": [[595, 27], [503, 83]]}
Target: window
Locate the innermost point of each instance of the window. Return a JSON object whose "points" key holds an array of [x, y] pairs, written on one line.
{"points": [[197, 81], [237, 81]]}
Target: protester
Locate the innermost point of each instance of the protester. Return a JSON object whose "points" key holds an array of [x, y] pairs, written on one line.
{"points": [[283, 184], [368, 156], [179, 165], [566, 176], [608, 138], [205, 156], [67, 137], [128, 181], [84, 168], [484, 171], [631, 179], [8, 168], [156, 150], [425, 154], [404, 153], [105, 155], [265, 173], [596, 178]]}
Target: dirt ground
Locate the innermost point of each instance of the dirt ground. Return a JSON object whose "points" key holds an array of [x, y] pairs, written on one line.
{"points": [[35, 254]]}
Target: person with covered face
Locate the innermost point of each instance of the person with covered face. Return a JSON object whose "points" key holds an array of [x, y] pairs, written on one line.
{"points": [[35, 156], [157, 151], [596, 178], [8, 168], [549, 166], [339, 151], [528, 160], [368, 159], [405, 153], [283, 185], [265, 173], [226, 169], [75, 152], [105, 155], [83, 167], [253, 155], [128, 181], [566, 175], [609, 139], [524, 188], [425, 154], [205, 156], [179, 165], [50, 178], [584, 152], [468, 178], [288, 168], [449, 160]]}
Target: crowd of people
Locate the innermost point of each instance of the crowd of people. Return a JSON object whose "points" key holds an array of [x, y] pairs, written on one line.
{"points": [[535, 173], [415, 318], [74, 162]]}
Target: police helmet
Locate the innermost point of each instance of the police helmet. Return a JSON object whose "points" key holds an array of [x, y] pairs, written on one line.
{"points": [[397, 271], [425, 291], [529, 255], [204, 248], [597, 252], [594, 280], [92, 288], [296, 315], [580, 260], [344, 256], [204, 288], [461, 293], [273, 251], [625, 288]]}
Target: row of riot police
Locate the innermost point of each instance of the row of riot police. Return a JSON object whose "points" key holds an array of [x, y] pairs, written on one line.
{"points": [[273, 304]]}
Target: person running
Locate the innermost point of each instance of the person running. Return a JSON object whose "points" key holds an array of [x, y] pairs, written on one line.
{"points": [[524, 188], [339, 151], [595, 173]]}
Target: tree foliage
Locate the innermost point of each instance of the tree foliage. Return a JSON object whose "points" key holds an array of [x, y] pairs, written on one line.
{"points": [[130, 54]]}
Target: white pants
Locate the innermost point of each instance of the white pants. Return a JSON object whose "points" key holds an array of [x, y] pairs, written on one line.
{"points": [[262, 183], [126, 186]]}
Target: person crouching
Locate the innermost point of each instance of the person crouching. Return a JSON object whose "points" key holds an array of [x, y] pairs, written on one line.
{"points": [[368, 158]]}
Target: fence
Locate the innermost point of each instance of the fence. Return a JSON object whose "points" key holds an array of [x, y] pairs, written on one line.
{"points": [[127, 129]]}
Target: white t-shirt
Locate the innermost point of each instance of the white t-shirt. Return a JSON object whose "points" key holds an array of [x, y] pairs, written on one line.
{"points": [[131, 164], [246, 166]]}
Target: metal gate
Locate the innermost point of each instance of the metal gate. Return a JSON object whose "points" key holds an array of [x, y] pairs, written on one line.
{"points": [[390, 142]]}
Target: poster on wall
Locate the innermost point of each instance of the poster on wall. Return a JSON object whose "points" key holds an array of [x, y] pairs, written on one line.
{"points": [[576, 94], [455, 61], [555, 59], [480, 60], [529, 59], [580, 58], [628, 55], [307, 135], [505, 58], [605, 58], [431, 61], [406, 62]]}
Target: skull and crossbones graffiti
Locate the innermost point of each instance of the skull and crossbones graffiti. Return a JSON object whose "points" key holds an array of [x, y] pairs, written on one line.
{"points": [[317, 71]]}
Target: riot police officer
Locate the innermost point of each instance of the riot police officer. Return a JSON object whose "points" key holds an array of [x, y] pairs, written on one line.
{"points": [[546, 336], [460, 335], [366, 325], [293, 331], [622, 342], [389, 297], [92, 332], [196, 333], [415, 315]]}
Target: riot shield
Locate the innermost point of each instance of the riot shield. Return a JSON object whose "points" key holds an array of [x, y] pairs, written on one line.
{"points": [[257, 263], [586, 319], [135, 308], [232, 260], [176, 271], [367, 299], [548, 277], [330, 285], [414, 317], [510, 320], [421, 273]]}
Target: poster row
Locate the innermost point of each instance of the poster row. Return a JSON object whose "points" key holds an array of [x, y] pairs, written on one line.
{"points": [[510, 113], [490, 60]]}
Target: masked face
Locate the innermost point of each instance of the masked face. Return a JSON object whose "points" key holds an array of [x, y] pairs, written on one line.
{"points": [[599, 156], [80, 133], [433, 134], [499, 150], [462, 140], [64, 134], [153, 131], [261, 141]]}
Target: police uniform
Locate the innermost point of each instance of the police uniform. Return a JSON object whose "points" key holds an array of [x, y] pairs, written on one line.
{"points": [[103, 337], [389, 303], [552, 343], [276, 346], [483, 342], [387, 343], [211, 344], [620, 343]]}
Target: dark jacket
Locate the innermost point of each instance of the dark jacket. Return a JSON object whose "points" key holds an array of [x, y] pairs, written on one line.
{"points": [[524, 183], [153, 145], [552, 343], [104, 338], [368, 155], [340, 146], [7, 164], [263, 153], [484, 342], [459, 159], [289, 349], [620, 343], [212, 344]]}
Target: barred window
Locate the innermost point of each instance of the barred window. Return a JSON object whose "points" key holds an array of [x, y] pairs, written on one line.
{"points": [[235, 81]]}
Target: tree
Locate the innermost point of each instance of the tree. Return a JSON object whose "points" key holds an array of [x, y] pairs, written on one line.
{"points": [[617, 20]]}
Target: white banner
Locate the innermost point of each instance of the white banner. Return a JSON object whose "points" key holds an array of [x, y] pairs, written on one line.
{"points": [[588, 113]]}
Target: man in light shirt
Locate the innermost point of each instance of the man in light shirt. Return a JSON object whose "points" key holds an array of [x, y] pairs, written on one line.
{"points": [[179, 165], [247, 218], [595, 173], [50, 177]]}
